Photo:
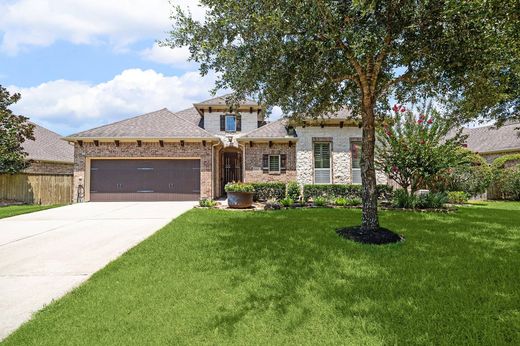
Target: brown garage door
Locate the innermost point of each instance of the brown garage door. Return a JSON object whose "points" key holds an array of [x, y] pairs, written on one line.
{"points": [[144, 180]]}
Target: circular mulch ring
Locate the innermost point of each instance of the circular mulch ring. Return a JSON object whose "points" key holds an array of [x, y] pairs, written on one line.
{"points": [[379, 237]]}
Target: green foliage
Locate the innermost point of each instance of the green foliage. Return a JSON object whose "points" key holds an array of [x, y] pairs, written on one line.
{"points": [[457, 197], [266, 191], [502, 161], [287, 202], [473, 178], [506, 176], [14, 130], [431, 200], [239, 187], [207, 203], [332, 191], [319, 201], [413, 151], [340, 202], [354, 202], [293, 190]]}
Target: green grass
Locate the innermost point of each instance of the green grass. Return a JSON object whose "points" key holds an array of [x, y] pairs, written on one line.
{"points": [[285, 277], [14, 210]]}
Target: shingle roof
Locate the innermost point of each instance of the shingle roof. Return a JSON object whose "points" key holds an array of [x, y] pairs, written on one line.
{"points": [[221, 101], [491, 139], [48, 146], [158, 124], [276, 129]]}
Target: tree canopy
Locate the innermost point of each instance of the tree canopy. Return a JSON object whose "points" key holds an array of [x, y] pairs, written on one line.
{"points": [[14, 130], [311, 57]]}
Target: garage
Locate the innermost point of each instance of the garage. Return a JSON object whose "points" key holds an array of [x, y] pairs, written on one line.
{"points": [[144, 180]]}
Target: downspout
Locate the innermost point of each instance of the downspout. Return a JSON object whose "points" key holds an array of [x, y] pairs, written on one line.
{"points": [[213, 175]]}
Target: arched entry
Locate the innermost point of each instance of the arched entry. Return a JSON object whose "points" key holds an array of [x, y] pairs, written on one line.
{"points": [[231, 166]]}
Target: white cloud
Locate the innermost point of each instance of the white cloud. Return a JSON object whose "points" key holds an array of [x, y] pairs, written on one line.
{"points": [[26, 23], [69, 106], [177, 57]]}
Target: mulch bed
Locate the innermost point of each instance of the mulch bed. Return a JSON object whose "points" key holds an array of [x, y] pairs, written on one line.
{"points": [[379, 237]]}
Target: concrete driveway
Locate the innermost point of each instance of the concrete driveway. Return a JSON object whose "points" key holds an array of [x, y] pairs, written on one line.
{"points": [[44, 255]]}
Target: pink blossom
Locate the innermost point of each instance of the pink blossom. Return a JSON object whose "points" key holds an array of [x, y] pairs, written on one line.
{"points": [[430, 121], [396, 107], [420, 121], [395, 169], [403, 109]]}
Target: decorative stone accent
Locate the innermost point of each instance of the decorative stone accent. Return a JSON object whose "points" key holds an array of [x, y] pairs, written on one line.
{"points": [[253, 162], [147, 150], [341, 154]]}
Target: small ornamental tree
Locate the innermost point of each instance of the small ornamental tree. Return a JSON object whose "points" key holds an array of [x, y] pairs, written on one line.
{"points": [[414, 150], [14, 130]]}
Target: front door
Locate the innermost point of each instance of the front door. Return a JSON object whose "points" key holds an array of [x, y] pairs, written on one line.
{"points": [[232, 168]]}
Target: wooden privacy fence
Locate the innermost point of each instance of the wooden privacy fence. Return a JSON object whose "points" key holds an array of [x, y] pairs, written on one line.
{"points": [[36, 188]]}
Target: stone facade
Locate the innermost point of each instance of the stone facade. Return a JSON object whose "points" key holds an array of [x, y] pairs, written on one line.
{"points": [[47, 167], [249, 122], [147, 150], [341, 153], [253, 162]]}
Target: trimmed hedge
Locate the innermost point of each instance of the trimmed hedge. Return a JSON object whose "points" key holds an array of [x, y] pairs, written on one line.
{"points": [[267, 191], [350, 191], [506, 180], [500, 162]]}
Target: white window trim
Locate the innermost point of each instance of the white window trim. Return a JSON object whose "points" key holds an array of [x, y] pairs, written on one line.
{"points": [[279, 164], [226, 123], [352, 169], [322, 169]]}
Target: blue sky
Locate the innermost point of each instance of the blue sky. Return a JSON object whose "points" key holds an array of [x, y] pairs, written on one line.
{"points": [[80, 64]]}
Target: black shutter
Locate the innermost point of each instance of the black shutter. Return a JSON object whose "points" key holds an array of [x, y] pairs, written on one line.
{"points": [[239, 122], [283, 162], [222, 122], [265, 163]]}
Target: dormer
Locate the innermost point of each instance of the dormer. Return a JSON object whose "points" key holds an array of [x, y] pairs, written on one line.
{"points": [[219, 118]]}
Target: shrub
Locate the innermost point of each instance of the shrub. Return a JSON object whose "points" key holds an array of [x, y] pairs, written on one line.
{"points": [[430, 200], [506, 177], [403, 199], [354, 201], [239, 187], [272, 204], [293, 190], [457, 197], [474, 177], [319, 201], [340, 202], [267, 191], [332, 191], [287, 202], [207, 203]]}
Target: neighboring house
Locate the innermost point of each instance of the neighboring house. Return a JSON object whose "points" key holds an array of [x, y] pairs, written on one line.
{"points": [[193, 153], [48, 178], [48, 154], [492, 142]]}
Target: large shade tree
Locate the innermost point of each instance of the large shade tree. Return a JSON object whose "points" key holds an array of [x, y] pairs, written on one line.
{"points": [[312, 57], [14, 130]]}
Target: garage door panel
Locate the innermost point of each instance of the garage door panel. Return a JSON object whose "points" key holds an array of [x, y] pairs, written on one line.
{"points": [[145, 180]]}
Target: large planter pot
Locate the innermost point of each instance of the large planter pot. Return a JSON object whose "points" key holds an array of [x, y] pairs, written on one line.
{"points": [[240, 200]]}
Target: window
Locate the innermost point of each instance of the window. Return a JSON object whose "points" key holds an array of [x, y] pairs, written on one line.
{"points": [[274, 163], [355, 148], [231, 124], [322, 172]]}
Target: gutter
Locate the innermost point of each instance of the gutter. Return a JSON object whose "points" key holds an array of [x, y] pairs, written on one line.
{"points": [[110, 139]]}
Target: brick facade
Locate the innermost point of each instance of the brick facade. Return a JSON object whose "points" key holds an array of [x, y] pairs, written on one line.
{"points": [[55, 168], [147, 150], [253, 162]]}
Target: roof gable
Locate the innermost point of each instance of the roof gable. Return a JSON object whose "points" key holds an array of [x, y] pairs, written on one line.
{"points": [[491, 139]]}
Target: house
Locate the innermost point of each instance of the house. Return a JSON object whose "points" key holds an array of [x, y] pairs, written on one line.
{"points": [[48, 154], [193, 153], [492, 142], [48, 178]]}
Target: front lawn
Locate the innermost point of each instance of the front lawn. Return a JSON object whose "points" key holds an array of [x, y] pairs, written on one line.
{"points": [[13, 210], [285, 277]]}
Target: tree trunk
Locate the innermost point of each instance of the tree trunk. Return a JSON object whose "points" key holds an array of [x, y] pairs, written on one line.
{"points": [[369, 219]]}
